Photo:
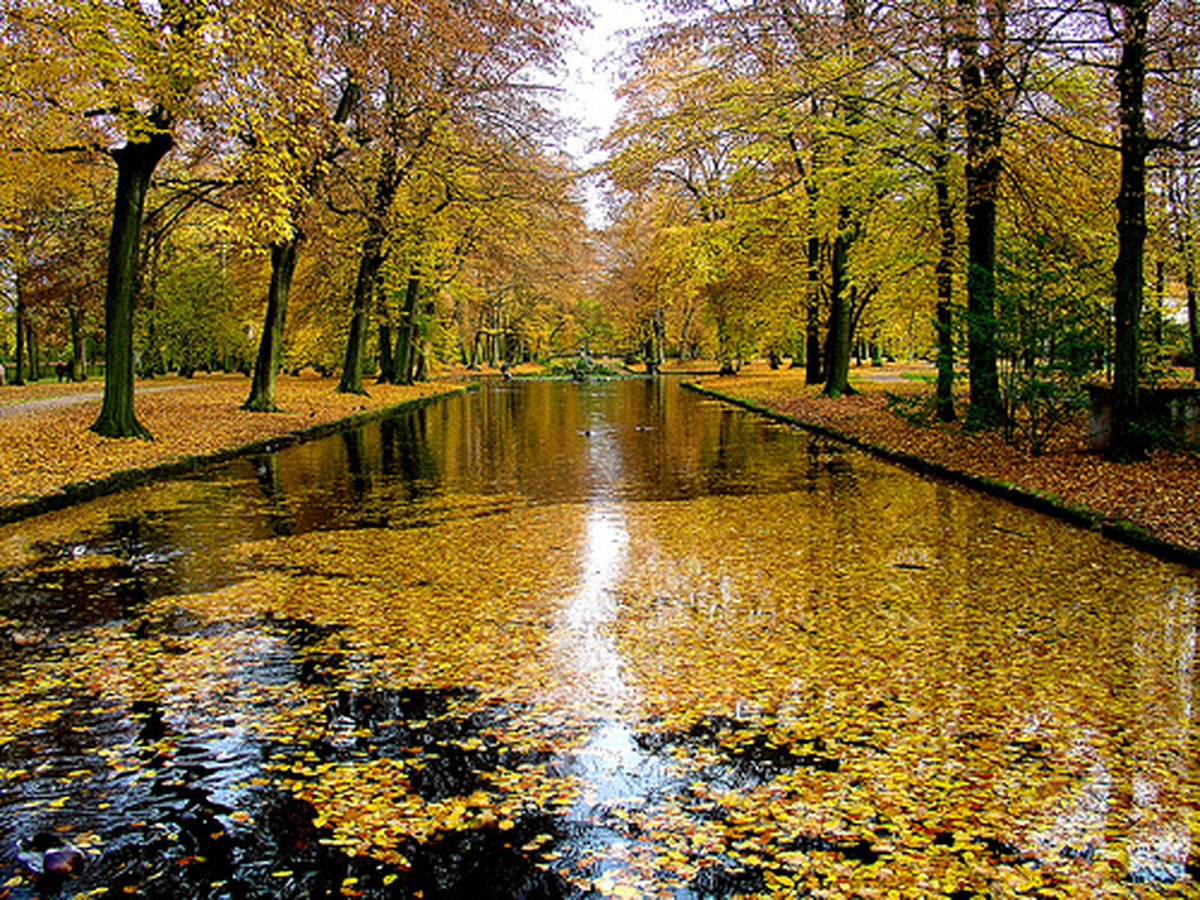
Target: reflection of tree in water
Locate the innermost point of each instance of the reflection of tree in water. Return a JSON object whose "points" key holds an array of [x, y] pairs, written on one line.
{"points": [[360, 480], [266, 476], [405, 452]]}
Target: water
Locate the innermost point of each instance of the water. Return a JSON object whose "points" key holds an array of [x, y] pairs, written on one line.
{"points": [[559, 640]]}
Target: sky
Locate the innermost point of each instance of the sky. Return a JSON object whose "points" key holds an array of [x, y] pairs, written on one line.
{"points": [[591, 81]]}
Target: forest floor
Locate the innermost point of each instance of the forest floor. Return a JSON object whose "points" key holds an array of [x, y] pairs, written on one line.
{"points": [[48, 457], [1154, 501]]}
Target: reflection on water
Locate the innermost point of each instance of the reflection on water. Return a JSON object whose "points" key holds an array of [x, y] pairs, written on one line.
{"points": [[553, 640]]}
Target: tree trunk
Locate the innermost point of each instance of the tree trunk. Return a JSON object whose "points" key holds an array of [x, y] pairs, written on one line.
{"points": [[1189, 282], [658, 340], [813, 373], [406, 333], [270, 345], [387, 359], [35, 364], [406, 336], [370, 259], [1128, 439], [421, 341], [841, 326], [841, 313], [19, 364], [78, 355], [685, 353], [1182, 199], [136, 163], [944, 271], [983, 131]]}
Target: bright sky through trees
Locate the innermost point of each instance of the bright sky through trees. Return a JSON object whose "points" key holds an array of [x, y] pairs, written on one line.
{"points": [[590, 83]]}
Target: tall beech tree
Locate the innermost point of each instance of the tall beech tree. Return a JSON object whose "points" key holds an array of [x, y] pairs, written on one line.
{"points": [[1128, 439], [458, 69], [118, 78], [292, 93], [982, 43], [1150, 39], [841, 292]]}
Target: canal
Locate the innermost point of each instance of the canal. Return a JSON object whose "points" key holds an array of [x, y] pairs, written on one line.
{"points": [[612, 639]]}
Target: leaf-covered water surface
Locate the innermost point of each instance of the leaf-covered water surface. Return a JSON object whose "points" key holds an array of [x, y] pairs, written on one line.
{"points": [[565, 642]]}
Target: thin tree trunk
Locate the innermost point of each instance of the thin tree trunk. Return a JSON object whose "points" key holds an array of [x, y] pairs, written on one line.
{"points": [[1189, 282], [983, 131], [270, 345], [813, 373], [136, 163], [421, 341], [947, 249], [35, 364], [370, 260], [283, 268], [1128, 440], [19, 364], [947, 245], [1182, 199], [78, 356], [841, 321], [1160, 295]]}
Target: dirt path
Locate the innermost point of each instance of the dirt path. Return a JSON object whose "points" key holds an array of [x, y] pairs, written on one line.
{"points": [[69, 398]]}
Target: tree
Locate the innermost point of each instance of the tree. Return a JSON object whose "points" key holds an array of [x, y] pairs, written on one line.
{"points": [[984, 89], [291, 108], [119, 78], [51, 241], [458, 72], [1127, 442]]}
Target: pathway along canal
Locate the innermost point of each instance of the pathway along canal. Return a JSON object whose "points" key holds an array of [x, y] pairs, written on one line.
{"points": [[560, 640]]}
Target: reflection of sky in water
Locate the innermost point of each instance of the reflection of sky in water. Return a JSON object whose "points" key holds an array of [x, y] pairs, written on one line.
{"points": [[615, 769], [610, 760]]}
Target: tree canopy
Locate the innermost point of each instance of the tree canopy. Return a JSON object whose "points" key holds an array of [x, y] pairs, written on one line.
{"points": [[1006, 187]]}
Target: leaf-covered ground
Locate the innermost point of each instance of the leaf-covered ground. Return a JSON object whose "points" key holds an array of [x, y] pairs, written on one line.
{"points": [[1159, 495], [45, 443]]}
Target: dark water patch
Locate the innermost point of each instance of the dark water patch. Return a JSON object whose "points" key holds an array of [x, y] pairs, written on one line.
{"points": [[753, 755], [299, 634], [490, 863], [717, 882], [440, 726], [859, 851], [67, 599]]}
